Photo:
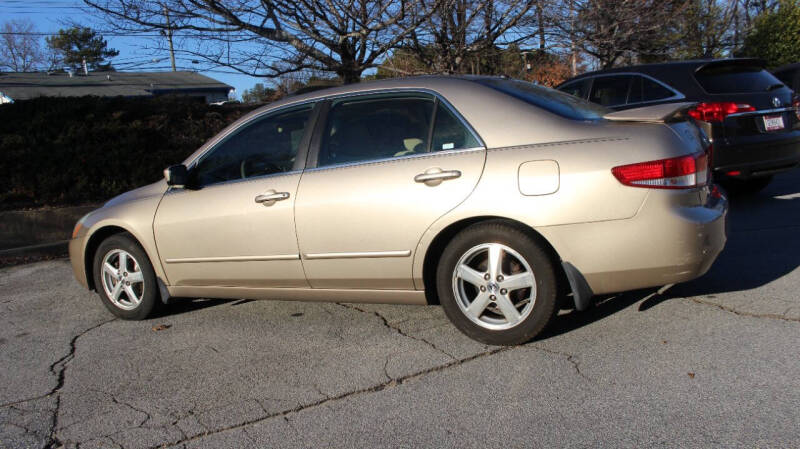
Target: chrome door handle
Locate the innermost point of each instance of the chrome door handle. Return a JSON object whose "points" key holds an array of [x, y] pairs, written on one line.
{"points": [[267, 197], [437, 175]]}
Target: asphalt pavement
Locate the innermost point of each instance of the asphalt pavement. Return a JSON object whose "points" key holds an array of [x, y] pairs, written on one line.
{"points": [[711, 363]]}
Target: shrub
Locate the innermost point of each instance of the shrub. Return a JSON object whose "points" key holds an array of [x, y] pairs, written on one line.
{"points": [[63, 151]]}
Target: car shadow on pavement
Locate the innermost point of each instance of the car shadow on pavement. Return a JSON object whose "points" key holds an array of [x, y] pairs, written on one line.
{"points": [[179, 306], [763, 242], [604, 306]]}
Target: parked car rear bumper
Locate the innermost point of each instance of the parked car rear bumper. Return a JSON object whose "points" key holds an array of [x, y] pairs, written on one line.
{"points": [[750, 160], [675, 237]]}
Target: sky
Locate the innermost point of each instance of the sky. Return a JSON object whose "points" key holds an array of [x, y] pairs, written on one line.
{"points": [[135, 53]]}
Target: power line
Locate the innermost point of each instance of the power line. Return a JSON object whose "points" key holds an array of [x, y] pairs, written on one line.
{"points": [[37, 33], [113, 34]]}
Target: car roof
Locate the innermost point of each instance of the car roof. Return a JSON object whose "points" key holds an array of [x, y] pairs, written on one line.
{"points": [[673, 66], [431, 82], [675, 74]]}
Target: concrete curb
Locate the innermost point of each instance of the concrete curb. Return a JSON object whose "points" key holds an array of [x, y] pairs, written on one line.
{"points": [[43, 249]]}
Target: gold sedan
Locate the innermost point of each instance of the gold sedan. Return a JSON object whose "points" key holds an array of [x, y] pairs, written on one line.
{"points": [[492, 197]]}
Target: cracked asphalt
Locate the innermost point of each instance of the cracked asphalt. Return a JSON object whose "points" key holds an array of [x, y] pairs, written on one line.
{"points": [[713, 362]]}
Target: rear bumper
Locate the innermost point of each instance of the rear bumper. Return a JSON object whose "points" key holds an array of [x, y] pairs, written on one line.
{"points": [[757, 159], [675, 237]]}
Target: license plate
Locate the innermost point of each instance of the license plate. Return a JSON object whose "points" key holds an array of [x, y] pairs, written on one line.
{"points": [[773, 122]]}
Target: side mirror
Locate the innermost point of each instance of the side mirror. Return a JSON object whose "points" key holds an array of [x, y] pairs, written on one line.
{"points": [[176, 175]]}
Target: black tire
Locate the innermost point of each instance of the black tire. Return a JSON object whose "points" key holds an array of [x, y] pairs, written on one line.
{"points": [[150, 296], [749, 186], [544, 303]]}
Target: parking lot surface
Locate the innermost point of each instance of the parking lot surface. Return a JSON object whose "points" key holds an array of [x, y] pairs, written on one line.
{"points": [[713, 362]]}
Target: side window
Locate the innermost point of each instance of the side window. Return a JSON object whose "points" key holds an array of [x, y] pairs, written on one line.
{"points": [[653, 91], [610, 90], [449, 133], [376, 128], [637, 90], [578, 88], [262, 147]]}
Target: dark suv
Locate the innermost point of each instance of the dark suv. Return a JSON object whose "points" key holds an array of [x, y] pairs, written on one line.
{"points": [[789, 75], [752, 118]]}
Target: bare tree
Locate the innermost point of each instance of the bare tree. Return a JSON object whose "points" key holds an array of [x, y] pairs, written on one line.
{"points": [[611, 30], [708, 29], [463, 34], [20, 49], [745, 11], [271, 38]]}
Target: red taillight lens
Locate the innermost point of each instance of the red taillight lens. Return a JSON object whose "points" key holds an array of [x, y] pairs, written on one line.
{"points": [[796, 104], [716, 112], [677, 173]]}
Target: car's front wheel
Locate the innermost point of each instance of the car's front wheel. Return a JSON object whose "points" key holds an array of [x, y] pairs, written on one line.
{"points": [[124, 278], [497, 284]]}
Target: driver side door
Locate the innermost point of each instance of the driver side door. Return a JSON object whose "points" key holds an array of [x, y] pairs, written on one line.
{"points": [[234, 225]]}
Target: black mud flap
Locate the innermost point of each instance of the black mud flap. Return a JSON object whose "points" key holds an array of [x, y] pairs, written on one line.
{"points": [[581, 292]]}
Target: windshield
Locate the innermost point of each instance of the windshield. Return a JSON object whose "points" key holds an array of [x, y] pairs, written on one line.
{"points": [[551, 100]]}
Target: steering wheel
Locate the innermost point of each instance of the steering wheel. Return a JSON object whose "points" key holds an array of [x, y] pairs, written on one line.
{"points": [[257, 165]]}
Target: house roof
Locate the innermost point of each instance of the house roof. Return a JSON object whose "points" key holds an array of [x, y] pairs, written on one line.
{"points": [[23, 86]]}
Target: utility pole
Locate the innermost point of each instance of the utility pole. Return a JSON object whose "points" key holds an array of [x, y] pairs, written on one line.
{"points": [[169, 38], [573, 49], [540, 20]]}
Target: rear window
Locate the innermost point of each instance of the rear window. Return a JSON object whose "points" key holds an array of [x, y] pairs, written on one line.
{"points": [[736, 78], [551, 100]]}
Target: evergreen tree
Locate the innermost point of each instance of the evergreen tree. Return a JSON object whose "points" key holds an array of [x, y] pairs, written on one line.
{"points": [[76, 44], [776, 35]]}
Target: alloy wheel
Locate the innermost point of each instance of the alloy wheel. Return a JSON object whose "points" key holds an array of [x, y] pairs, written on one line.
{"points": [[494, 286], [123, 280]]}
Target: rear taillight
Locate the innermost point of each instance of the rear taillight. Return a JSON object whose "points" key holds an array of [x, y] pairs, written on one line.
{"points": [[716, 112], [796, 104], [676, 173]]}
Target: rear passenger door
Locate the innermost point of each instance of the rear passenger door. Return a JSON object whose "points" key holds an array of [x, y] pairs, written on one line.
{"points": [[382, 169]]}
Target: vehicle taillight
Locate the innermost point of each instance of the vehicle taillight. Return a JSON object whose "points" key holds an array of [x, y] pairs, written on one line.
{"points": [[716, 112], [796, 104], [676, 173]]}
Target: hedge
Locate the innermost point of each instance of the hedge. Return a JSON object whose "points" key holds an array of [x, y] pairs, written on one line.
{"points": [[66, 151]]}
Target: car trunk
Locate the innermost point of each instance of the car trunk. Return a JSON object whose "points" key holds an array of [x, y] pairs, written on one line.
{"points": [[673, 115], [746, 83]]}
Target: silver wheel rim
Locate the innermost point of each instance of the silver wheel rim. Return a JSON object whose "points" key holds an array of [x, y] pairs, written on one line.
{"points": [[123, 280], [494, 286]]}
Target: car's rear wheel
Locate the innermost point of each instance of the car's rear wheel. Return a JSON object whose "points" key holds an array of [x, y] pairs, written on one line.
{"points": [[497, 284], [125, 279]]}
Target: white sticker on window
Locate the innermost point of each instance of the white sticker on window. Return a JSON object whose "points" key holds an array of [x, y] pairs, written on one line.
{"points": [[448, 146]]}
